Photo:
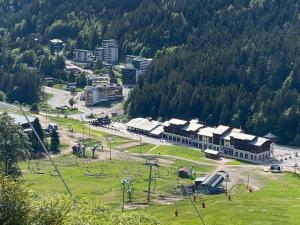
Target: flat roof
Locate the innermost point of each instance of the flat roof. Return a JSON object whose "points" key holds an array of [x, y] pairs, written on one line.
{"points": [[206, 131], [56, 41], [212, 152], [259, 141], [21, 119], [143, 124], [221, 129], [158, 130], [177, 121]]}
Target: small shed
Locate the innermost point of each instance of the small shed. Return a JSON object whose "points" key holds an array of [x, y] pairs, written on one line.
{"points": [[212, 154], [183, 172]]}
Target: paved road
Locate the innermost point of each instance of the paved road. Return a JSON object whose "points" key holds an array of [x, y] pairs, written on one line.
{"points": [[6, 106], [71, 63], [59, 97]]}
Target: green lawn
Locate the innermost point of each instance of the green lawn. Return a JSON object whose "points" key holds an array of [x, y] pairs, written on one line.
{"points": [[143, 149], [275, 204], [181, 151], [106, 186], [80, 127], [59, 86], [235, 162]]}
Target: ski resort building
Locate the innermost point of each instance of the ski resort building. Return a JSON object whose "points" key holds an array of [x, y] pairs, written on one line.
{"points": [[221, 140]]}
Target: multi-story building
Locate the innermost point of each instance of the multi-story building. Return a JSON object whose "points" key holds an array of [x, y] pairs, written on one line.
{"points": [[98, 79], [110, 51], [128, 75], [98, 54], [227, 141], [108, 67], [139, 63], [82, 55], [102, 93], [182, 131]]}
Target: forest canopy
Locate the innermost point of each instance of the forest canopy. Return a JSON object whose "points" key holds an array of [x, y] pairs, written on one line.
{"points": [[234, 62]]}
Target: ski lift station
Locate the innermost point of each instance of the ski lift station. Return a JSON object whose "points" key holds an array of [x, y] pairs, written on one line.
{"points": [[211, 184]]}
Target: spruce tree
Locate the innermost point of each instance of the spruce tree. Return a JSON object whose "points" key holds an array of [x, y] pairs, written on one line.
{"points": [[54, 147]]}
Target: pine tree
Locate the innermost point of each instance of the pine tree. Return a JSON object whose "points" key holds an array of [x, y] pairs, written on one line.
{"points": [[54, 147]]}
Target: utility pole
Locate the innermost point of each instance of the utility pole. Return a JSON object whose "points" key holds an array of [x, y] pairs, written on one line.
{"points": [[248, 183], [140, 144], [109, 150], [110, 141], [83, 134]]}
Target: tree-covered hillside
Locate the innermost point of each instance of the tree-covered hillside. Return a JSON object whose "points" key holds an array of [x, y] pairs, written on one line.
{"points": [[234, 62]]}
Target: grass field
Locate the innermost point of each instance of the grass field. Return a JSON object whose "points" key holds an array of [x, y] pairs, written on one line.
{"points": [[180, 151], [143, 149], [106, 186], [275, 204], [80, 127], [235, 162]]}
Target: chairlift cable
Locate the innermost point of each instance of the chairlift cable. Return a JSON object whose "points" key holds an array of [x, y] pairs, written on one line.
{"points": [[199, 215], [47, 153]]}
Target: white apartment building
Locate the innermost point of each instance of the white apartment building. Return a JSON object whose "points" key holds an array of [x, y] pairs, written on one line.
{"points": [[139, 63], [102, 93], [110, 51], [99, 54], [82, 55]]}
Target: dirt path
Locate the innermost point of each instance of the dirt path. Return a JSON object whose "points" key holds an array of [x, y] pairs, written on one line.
{"points": [[152, 149]]}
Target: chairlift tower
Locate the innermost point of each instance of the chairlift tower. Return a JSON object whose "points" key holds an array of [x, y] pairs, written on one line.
{"points": [[150, 162]]}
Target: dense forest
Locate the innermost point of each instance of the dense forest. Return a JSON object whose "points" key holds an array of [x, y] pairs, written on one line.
{"points": [[234, 62]]}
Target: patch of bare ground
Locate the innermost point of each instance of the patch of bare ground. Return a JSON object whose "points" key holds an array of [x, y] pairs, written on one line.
{"points": [[133, 205], [246, 175], [166, 200], [128, 145], [166, 162]]}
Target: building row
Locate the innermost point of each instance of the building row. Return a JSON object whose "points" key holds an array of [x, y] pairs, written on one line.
{"points": [[134, 68], [223, 140], [107, 53]]}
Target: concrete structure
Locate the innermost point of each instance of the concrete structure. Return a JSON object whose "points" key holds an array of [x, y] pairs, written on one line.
{"points": [[102, 93], [98, 54], [142, 125], [226, 141], [21, 120], [182, 131], [108, 67], [82, 55], [139, 63], [128, 75], [98, 79], [110, 51]]}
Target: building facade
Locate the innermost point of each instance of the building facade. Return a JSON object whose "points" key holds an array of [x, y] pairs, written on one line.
{"points": [[102, 93], [110, 51], [229, 142], [128, 75], [82, 55], [98, 54], [139, 63], [98, 79]]}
